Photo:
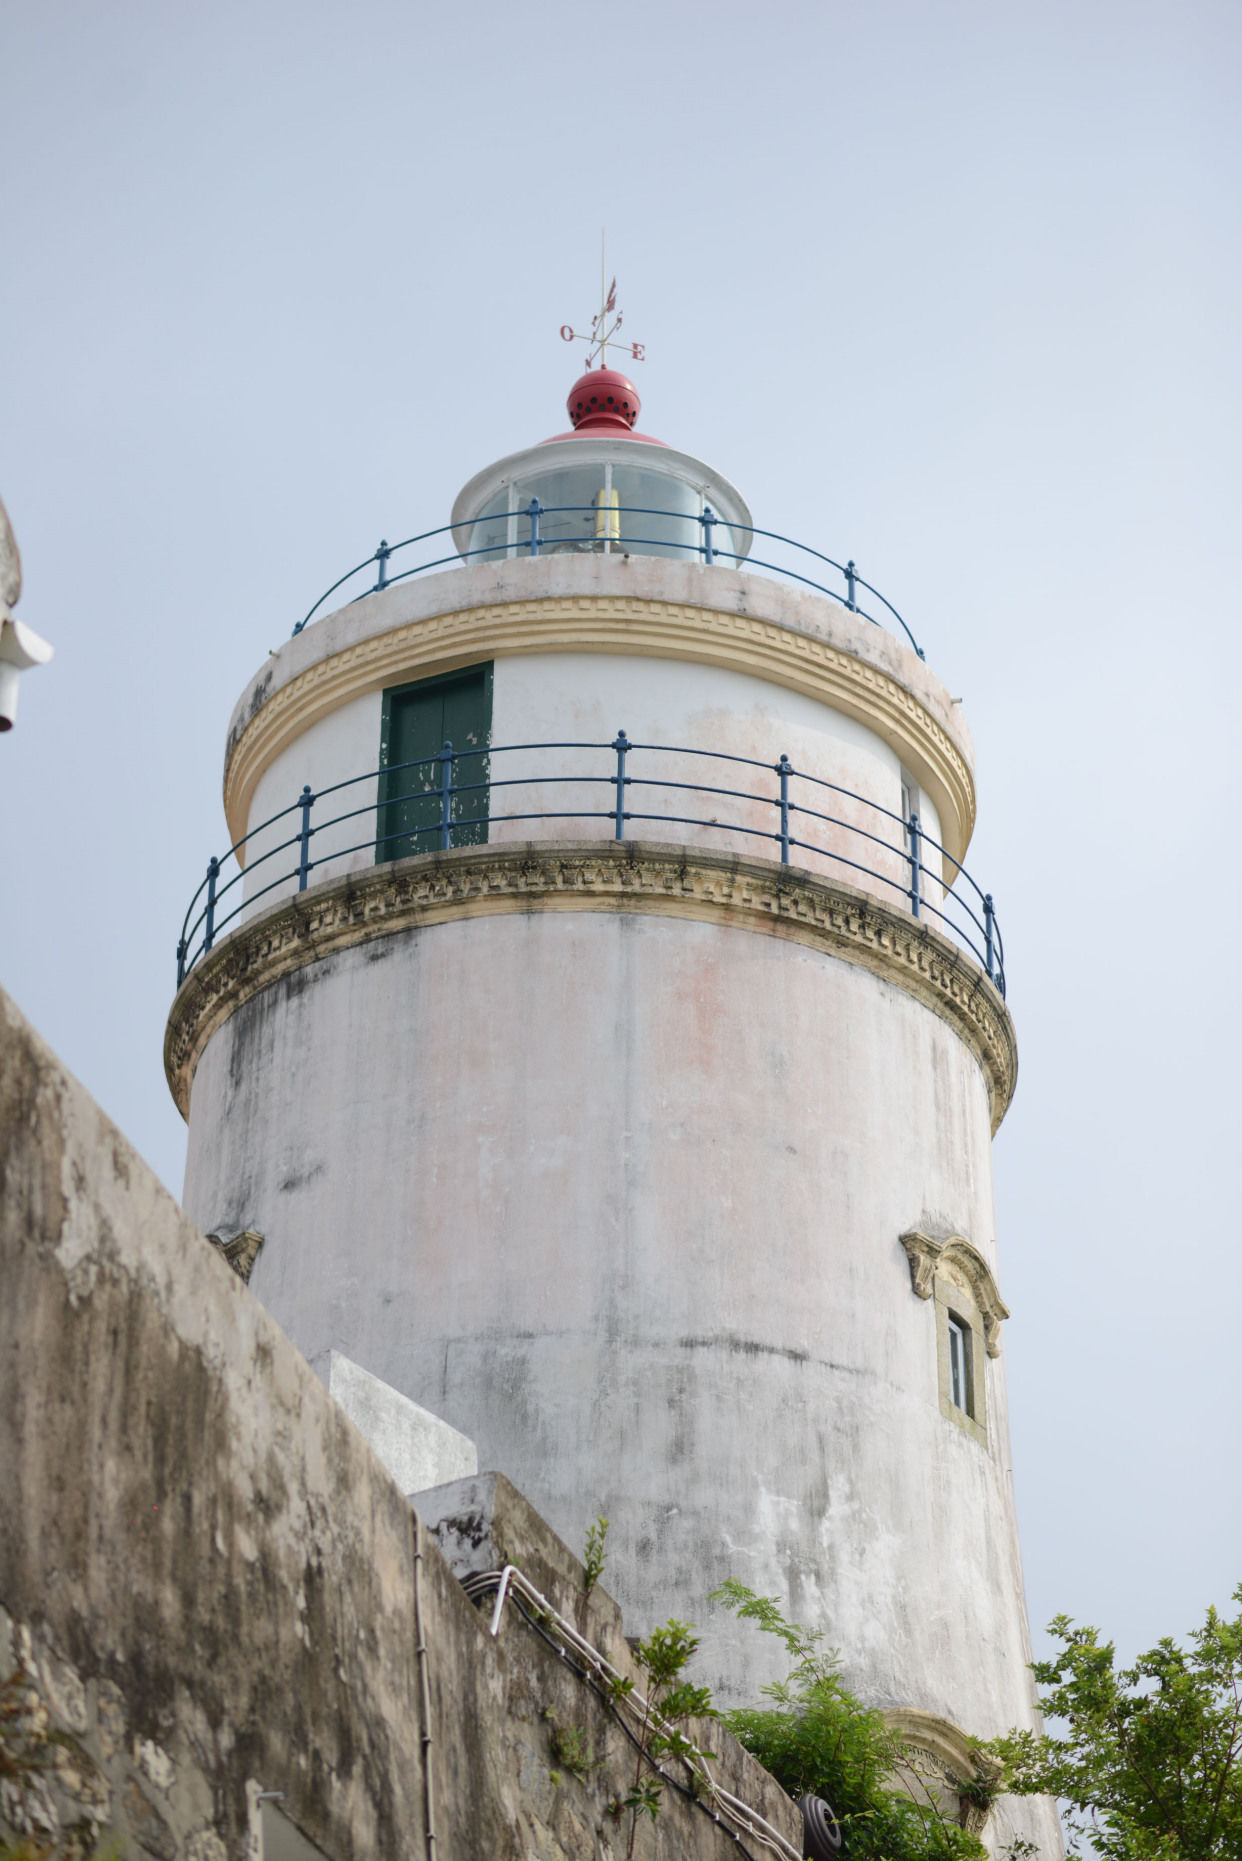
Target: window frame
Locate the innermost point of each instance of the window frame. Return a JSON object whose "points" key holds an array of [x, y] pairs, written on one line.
{"points": [[961, 1391], [956, 1309]]}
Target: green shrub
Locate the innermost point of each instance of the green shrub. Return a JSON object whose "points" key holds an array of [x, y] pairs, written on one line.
{"points": [[817, 1739], [1147, 1759]]}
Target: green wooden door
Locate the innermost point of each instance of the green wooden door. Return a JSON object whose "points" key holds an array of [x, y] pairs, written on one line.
{"points": [[418, 720]]}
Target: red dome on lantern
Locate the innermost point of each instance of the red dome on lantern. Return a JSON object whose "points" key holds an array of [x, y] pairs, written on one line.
{"points": [[603, 401], [606, 402]]}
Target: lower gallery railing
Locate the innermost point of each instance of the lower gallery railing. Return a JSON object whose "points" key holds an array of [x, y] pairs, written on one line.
{"points": [[456, 797]]}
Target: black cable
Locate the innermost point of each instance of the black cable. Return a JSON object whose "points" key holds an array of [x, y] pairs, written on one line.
{"points": [[585, 1673]]}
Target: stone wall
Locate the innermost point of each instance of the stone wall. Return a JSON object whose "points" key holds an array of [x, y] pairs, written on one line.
{"points": [[212, 1596]]}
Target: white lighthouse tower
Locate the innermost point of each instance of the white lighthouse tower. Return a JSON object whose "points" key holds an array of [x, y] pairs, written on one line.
{"points": [[605, 1039]]}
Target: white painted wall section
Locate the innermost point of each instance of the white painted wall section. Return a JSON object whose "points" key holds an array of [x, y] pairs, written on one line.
{"points": [[343, 744], [417, 1447]]}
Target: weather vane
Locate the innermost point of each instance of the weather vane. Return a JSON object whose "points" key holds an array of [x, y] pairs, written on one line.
{"points": [[603, 333]]}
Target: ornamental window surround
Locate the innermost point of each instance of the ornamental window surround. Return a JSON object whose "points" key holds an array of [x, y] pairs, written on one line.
{"points": [[969, 1310]]}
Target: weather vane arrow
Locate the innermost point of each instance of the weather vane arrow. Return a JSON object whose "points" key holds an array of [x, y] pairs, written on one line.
{"points": [[603, 334]]}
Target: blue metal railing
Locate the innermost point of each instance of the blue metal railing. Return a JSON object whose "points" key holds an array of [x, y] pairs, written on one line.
{"points": [[443, 811], [702, 544]]}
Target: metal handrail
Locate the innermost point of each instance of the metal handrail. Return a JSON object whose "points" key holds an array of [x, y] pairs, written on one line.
{"points": [[943, 890], [534, 543]]}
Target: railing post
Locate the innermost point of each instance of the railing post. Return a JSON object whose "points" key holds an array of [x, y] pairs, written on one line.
{"points": [[915, 861], [784, 769], [446, 795], [988, 915], [621, 745], [209, 929], [381, 556], [306, 800], [532, 511], [850, 580], [707, 520]]}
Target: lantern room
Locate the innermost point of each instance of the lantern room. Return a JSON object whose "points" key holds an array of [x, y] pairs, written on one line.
{"points": [[601, 489]]}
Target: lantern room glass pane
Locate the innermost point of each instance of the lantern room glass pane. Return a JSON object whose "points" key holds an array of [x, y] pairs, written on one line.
{"points": [[493, 530], [645, 513], [568, 498]]}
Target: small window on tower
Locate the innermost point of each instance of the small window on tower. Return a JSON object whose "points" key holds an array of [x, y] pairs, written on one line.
{"points": [[957, 1280], [961, 1351], [960, 1365]]}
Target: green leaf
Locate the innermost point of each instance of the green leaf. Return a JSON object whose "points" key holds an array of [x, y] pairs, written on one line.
{"points": [[816, 1738], [1149, 1759]]}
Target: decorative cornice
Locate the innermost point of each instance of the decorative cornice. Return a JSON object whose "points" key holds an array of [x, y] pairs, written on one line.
{"points": [[939, 1753], [927, 1256], [655, 878], [739, 642], [241, 1251]]}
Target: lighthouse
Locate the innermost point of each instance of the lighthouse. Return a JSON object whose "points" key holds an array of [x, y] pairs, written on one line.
{"points": [[599, 1034]]}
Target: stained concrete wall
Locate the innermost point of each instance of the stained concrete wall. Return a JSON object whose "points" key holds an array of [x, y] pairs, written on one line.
{"points": [[633, 1193], [210, 1588]]}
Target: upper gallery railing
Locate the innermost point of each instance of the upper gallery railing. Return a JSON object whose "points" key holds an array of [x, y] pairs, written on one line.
{"points": [[700, 542], [448, 799]]}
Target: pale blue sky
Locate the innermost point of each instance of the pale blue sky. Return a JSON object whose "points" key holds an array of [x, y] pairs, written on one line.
{"points": [[953, 289]]}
